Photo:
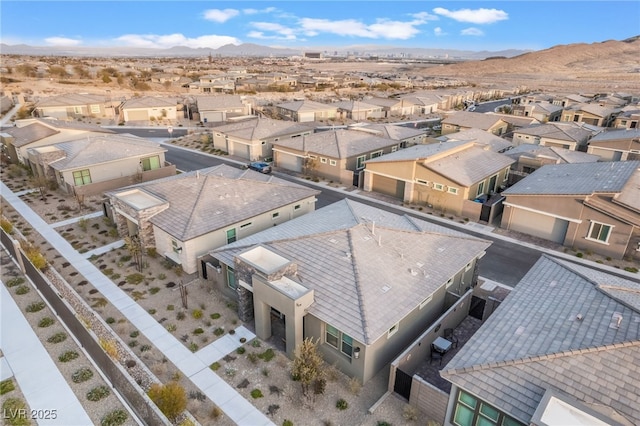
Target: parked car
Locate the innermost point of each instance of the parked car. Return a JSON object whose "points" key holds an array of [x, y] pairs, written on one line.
{"points": [[260, 166]]}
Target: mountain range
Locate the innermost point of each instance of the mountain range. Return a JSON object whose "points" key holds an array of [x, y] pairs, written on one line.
{"points": [[253, 50]]}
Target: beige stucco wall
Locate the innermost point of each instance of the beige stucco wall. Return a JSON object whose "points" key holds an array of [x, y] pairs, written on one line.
{"points": [[155, 112]]}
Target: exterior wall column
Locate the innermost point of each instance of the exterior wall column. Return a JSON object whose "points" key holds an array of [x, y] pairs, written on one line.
{"points": [[408, 192], [368, 181]]}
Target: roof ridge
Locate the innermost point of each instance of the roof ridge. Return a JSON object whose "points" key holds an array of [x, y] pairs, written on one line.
{"points": [[536, 358], [198, 200], [359, 289], [335, 133]]}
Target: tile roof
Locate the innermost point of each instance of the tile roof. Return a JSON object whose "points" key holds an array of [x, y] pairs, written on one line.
{"points": [[561, 131], [535, 341], [617, 134], [220, 102], [70, 99], [630, 194], [338, 143], [356, 267], [40, 128], [31, 133], [576, 179], [470, 165], [210, 199], [594, 109], [149, 102], [262, 128], [561, 155], [419, 152], [495, 143], [356, 106], [392, 131], [91, 151], [477, 120], [306, 106]]}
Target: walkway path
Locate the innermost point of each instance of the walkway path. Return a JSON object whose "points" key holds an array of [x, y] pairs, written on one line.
{"points": [[192, 365], [40, 381]]}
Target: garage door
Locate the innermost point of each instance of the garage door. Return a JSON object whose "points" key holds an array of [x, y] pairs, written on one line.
{"points": [[389, 186], [538, 225], [289, 162], [138, 114], [239, 150], [212, 116]]}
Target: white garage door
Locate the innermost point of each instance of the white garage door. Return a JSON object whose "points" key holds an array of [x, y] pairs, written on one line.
{"points": [[289, 162], [538, 225], [137, 114], [239, 150]]}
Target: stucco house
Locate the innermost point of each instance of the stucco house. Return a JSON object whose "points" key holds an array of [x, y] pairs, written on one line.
{"points": [[593, 114], [447, 176], [392, 107], [363, 281], [333, 155], [588, 206], [628, 118], [215, 109], [75, 105], [571, 136], [562, 349], [481, 137], [149, 108], [542, 111], [253, 139], [616, 145], [186, 215], [90, 166], [358, 110], [36, 132], [463, 120], [407, 136], [306, 111]]}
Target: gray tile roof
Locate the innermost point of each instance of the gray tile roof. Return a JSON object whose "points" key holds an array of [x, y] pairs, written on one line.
{"points": [[495, 143], [348, 260], [220, 102], [617, 134], [356, 106], [576, 179], [560, 131], [31, 133], [534, 341], [391, 131], [41, 128], [306, 106], [262, 128], [71, 99], [91, 151], [419, 152], [561, 155], [338, 143], [470, 165], [630, 194], [149, 102], [476, 120], [210, 199]]}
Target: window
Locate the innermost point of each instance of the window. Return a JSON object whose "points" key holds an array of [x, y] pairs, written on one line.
{"points": [[275, 215], [394, 148], [452, 190], [231, 235], [231, 278], [175, 247], [77, 110], [393, 330], [150, 163], [82, 177], [528, 170], [599, 232], [360, 161], [347, 345], [425, 302], [332, 162], [422, 181], [323, 160], [332, 336], [471, 411], [438, 186], [480, 188], [245, 225], [95, 109], [376, 154], [297, 207]]}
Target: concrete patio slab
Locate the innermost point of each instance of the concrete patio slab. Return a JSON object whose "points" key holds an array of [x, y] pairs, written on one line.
{"points": [[5, 370]]}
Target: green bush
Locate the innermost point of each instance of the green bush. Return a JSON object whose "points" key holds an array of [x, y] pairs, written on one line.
{"points": [[198, 330], [45, 322], [6, 386], [170, 307], [241, 350], [267, 355], [631, 269], [214, 316], [215, 366], [68, 356], [578, 254], [287, 423], [6, 226], [82, 375], [114, 418], [171, 398], [253, 358], [134, 334], [35, 307], [341, 404], [15, 412], [98, 393], [145, 348], [110, 320], [58, 338], [193, 347], [15, 281], [152, 311], [135, 278], [154, 290], [196, 314], [256, 393], [218, 331], [180, 316], [23, 289]]}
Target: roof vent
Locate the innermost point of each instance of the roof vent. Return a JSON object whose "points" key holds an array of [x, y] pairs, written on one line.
{"points": [[616, 320], [519, 331], [413, 272], [348, 254], [440, 249], [579, 317], [385, 288], [553, 283], [333, 240], [420, 264]]}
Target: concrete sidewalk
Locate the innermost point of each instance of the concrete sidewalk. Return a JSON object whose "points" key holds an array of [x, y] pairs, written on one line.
{"points": [[40, 381], [237, 408]]}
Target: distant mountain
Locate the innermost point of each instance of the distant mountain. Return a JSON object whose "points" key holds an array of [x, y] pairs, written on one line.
{"points": [[249, 49]]}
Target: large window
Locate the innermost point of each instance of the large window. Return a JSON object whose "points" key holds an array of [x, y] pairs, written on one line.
{"points": [[360, 161], [471, 411], [231, 235], [332, 336], [82, 177], [347, 345], [599, 232], [376, 154], [480, 188], [151, 163], [339, 340], [231, 278]]}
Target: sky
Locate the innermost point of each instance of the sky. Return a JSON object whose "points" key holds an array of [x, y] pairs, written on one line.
{"points": [[322, 24]]}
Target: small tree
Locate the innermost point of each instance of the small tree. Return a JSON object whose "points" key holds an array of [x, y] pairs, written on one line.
{"points": [[308, 368], [134, 246], [171, 398]]}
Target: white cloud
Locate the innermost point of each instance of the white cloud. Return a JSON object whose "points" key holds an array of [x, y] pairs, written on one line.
{"points": [[220, 15], [474, 16], [257, 11], [424, 16], [471, 32], [437, 31], [382, 28], [62, 41], [281, 32], [171, 40]]}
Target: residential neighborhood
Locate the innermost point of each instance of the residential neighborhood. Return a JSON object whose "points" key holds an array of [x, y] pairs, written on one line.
{"points": [[447, 253]]}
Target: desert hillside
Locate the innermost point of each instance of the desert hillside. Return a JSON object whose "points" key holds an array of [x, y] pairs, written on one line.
{"points": [[609, 65]]}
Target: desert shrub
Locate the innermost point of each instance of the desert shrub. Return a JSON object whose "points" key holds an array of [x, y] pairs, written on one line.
{"points": [[215, 412], [145, 348], [13, 282], [287, 423], [35, 307], [252, 357], [68, 356], [110, 347], [16, 412], [6, 226], [409, 412], [135, 278], [215, 366], [218, 331], [383, 423], [230, 371], [214, 316], [341, 404], [355, 386], [170, 307], [82, 375], [256, 393], [181, 315], [134, 334], [267, 355], [133, 343], [240, 350], [198, 330], [6, 386], [57, 338], [114, 418], [171, 328], [154, 290], [631, 269], [256, 343], [196, 314], [98, 393], [110, 320], [171, 398], [193, 347], [45, 322], [23, 289], [34, 255], [152, 311], [152, 252], [265, 371]]}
